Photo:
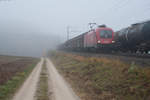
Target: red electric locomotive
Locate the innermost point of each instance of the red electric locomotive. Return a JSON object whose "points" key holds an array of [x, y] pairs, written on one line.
{"points": [[100, 37]]}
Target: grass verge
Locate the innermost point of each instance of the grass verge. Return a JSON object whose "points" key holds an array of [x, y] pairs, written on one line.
{"points": [[9, 88], [103, 79], [42, 88]]}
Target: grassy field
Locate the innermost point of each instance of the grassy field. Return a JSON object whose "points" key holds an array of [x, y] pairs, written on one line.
{"points": [[102, 78], [13, 72]]}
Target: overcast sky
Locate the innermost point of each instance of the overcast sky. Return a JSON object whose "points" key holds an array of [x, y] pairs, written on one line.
{"points": [[46, 17]]}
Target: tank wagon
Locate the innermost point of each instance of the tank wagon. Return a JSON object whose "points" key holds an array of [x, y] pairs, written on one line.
{"points": [[135, 38], [95, 39]]}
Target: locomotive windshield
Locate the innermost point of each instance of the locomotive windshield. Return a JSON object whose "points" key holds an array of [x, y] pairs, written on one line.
{"points": [[106, 34]]}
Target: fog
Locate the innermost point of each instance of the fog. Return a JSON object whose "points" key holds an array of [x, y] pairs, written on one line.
{"points": [[22, 40], [31, 27]]}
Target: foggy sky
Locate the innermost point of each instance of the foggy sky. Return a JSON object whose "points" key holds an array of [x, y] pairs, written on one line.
{"points": [[39, 24]]}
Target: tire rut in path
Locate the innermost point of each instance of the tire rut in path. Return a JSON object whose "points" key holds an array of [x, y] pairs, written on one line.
{"points": [[27, 90], [60, 88]]}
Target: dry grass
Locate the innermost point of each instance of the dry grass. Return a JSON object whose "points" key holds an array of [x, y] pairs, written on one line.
{"points": [[42, 88], [104, 79]]}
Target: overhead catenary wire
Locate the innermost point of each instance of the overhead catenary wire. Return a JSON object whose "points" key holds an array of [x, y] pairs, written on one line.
{"points": [[71, 32]]}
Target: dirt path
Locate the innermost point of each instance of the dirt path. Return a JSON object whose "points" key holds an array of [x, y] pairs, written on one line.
{"points": [[28, 89], [60, 89]]}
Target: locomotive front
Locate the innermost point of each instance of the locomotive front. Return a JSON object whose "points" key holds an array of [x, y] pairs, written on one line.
{"points": [[101, 38], [105, 36]]}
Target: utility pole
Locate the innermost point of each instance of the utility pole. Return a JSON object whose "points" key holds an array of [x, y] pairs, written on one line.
{"points": [[92, 25], [68, 32]]}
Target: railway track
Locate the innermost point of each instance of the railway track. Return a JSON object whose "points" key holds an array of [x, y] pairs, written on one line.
{"points": [[142, 60], [143, 56], [99, 54]]}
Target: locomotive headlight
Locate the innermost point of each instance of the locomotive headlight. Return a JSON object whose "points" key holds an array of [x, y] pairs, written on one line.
{"points": [[113, 41], [99, 41]]}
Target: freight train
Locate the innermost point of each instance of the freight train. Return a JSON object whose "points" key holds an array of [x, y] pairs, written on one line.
{"points": [[135, 38], [96, 39]]}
